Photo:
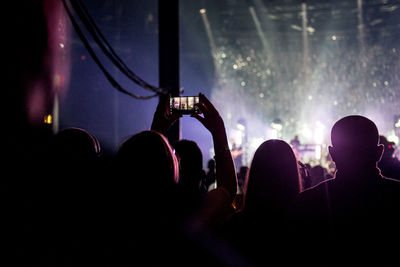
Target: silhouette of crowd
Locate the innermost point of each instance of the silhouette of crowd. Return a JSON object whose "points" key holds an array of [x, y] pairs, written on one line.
{"points": [[64, 203], [68, 205]]}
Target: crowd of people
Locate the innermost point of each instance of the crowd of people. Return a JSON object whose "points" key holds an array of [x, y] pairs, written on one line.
{"points": [[64, 203], [67, 204]]}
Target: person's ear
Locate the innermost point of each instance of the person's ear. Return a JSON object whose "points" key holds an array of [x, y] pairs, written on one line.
{"points": [[379, 152], [332, 152]]}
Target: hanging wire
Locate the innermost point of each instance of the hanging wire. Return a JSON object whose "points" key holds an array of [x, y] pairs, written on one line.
{"points": [[107, 48], [109, 52]]}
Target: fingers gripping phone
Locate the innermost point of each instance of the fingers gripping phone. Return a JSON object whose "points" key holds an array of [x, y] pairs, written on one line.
{"points": [[184, 104]]}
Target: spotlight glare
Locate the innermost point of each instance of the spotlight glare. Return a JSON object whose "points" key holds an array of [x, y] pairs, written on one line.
{"points": [[203, 11], [48, 119], [306, 132], [276, 126], [274, 134], [241, 127], [393, 138], [256, 142], [318, 136], [397, 124], [318, 152]]}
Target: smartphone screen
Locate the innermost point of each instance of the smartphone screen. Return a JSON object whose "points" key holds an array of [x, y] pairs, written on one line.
{"points": [[184, 104]]}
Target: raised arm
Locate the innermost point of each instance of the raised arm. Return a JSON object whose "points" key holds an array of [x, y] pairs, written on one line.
{"points": [[163, 119], [225, 167]]}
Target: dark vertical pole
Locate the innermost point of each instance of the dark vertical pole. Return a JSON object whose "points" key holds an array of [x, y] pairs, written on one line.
{"points": [[117, 13], [168, 47]]}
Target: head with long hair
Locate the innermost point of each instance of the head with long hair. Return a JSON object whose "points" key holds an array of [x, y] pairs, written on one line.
{"points": [[273, 178], [148, 158], [190, 162], [74, 144]]}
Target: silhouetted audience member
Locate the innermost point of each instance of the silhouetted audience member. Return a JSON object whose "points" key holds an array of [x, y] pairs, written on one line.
{"points": [[146, 162], [317, 174], [73, 180], [148, 209], [191, 172], [389, 165], [355, 215], [305, 175], [210, 175], [210, 118], [242, 176], [263, 231], [144, 202], [73, 149]]}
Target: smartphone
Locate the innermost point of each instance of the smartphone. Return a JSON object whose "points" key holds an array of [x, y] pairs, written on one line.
{"points": [[184, 104]]}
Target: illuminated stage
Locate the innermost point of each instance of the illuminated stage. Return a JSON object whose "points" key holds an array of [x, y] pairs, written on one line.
{"points": [[304, 65]]}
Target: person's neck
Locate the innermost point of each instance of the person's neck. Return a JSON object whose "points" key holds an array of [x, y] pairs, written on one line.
{"points": [[371, 170]]}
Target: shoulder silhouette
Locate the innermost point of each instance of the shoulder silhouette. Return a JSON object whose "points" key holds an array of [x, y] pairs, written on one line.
{"points": [[389, 165], [357, 209]]}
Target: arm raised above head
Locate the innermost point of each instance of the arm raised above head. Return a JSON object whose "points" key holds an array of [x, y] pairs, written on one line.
{"points": [[225, 167]]}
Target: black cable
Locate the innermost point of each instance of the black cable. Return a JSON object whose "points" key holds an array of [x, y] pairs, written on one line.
{"points": [[97, 60], [107, 48]]}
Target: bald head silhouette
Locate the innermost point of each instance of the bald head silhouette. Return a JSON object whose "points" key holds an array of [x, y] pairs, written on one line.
{"points": [[355, 143]]}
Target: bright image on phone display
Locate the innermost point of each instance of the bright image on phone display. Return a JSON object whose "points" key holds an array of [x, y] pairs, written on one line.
{"points": [[184, 104]]}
